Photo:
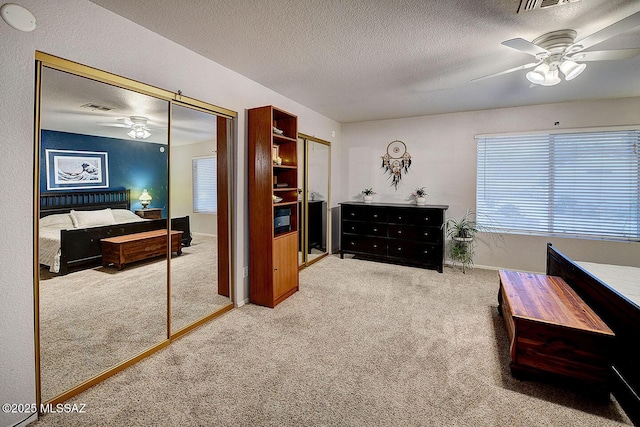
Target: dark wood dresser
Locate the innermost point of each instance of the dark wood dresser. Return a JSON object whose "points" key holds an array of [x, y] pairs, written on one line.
{"points": [[398, 233]]}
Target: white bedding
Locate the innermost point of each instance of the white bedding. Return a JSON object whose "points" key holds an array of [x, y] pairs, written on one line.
{"points": [[624, 279], [50, 226]]}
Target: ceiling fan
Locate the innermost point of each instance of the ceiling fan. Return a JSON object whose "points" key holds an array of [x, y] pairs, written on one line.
{"points": [[137, 125], [558, 51]]}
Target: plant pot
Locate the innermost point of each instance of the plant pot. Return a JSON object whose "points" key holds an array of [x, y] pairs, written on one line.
{"points": [[368, 199], [421, 200], [462, 239]]}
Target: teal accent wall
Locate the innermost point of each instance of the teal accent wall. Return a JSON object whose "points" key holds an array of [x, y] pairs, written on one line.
{"points": [[132, 164]]}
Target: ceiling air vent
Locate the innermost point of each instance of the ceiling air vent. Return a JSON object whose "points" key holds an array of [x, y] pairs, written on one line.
{"points": [[94, 107], [527, 5]]}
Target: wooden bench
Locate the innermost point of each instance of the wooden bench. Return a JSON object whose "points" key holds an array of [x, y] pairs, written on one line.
{"points": [[128, 248], [553, 331]]}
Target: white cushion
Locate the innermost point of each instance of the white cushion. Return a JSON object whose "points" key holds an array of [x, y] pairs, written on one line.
{"points": [[83, 219], [124, 215], [62, 221]]}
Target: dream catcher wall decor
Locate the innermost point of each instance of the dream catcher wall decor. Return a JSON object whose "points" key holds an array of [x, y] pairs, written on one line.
{"points": [[396, 160]]}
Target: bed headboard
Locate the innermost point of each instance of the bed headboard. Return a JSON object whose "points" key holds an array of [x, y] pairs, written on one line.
{"points": [[64, 202]]}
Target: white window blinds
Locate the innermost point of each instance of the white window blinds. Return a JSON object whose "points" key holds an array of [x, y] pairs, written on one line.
{"points": [[570, 184], [205, 188]]}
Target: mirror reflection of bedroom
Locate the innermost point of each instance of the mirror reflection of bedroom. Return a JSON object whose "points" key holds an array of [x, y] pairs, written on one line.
{"points": [[195, 289], [314, 154], [113, 167]]}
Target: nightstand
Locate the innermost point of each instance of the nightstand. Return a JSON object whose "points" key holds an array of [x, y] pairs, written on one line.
{"points": [[151, 213]]}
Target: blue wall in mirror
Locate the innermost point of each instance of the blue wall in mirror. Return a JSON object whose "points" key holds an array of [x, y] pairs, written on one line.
{"points": [[132, 164]]}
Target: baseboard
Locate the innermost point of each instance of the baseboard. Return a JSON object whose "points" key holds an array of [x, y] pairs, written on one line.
{"points": [[241, 303], [489, 267], [31, 418]]}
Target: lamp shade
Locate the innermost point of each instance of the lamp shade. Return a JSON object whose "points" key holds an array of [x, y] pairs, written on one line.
{"points": [[551, 78], [538, 74], [145, 199], [571, 69]]}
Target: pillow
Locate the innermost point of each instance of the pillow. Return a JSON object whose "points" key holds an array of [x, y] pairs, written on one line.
{"points": [[57, 220], [124, 215], [83, 219]]}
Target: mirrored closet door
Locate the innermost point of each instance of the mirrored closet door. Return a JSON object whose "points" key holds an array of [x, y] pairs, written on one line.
{"points": [[199, 190], [314, 198], [120, 238], [91, 319]]}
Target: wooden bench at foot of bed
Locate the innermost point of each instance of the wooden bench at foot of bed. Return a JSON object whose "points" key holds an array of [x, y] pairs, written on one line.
{"points": [[125, 249], [553, 331]]}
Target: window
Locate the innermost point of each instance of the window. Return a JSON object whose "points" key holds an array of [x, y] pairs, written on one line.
{"points": [[568, 184], [205, 187]]}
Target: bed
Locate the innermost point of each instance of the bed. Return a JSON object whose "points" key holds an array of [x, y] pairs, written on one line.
{"points": [[595, 283], [72, 224]]}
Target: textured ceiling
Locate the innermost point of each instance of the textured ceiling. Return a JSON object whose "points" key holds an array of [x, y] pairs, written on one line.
{"points": [[356, 60], [64, 107]]}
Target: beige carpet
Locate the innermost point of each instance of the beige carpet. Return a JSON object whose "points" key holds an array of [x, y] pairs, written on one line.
{"points": [[92, 319], [361, 344]]}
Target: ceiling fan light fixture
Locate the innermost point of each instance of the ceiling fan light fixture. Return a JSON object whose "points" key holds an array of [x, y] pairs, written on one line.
{"points": [[538, 74], [139, 132], [571, 69], [138, 125]]}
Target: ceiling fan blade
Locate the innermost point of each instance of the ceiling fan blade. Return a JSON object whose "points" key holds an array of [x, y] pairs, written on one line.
{"points": [[605, 55], [126, 121], [619, 27], [527, 47], [113, 125], [511, 70]]}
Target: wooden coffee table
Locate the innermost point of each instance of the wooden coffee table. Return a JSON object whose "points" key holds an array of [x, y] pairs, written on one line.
{"points": [[128, 248]]}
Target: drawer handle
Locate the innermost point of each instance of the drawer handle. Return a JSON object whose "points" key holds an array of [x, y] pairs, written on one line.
{"points": [[426, 218], [426, 251], [375, 229], [352, 243], [352, 227], [399, 249], [399, 231], [353, 214], [426, 233], [375, 246], [375, 215]]}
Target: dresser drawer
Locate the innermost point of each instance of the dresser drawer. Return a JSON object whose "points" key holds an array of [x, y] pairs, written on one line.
{"points": [[417, 216], [361, 213], [367, 245], [364, 228], [423, 253], [415, 233]]}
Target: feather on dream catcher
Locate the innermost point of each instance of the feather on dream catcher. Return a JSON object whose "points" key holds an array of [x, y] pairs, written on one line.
{"points": [[396, 161]]}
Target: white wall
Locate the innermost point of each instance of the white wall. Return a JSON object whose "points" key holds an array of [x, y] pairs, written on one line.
{"points": [[83, 32], [443, 151], [182, 186]]}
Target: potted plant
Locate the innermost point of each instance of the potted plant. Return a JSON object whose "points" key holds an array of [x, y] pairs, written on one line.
{"points": [[462, 232], [419, 194], [368, 194]]}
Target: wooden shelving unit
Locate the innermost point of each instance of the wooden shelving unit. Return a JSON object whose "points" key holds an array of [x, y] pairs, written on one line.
{"points": [[273, 226]]}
